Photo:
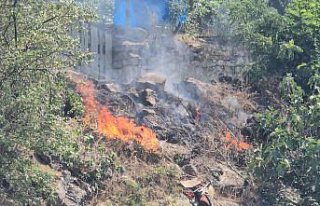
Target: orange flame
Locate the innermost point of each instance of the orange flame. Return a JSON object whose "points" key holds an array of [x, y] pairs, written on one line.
{"points": [[112, 127], [239, 145]]}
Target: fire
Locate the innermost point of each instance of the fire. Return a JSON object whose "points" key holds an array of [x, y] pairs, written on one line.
{"points": [[239, 145], [112, 127]]}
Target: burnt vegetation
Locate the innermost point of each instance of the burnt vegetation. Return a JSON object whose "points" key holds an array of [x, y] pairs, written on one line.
{"points": [[226, 93]]}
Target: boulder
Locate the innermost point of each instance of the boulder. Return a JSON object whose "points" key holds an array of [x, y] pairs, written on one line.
{"points": [[173, 139], [72, 191], [190, 169], [227, 180], [110, 87], [146, 112], [290, 196], [148, 98], [194, 89], [216, 172], [191, 183], [43, 158], [152, 81]]}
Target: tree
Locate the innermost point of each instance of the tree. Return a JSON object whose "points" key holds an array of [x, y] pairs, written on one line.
{"points": [[36, 48], [280, 5]]}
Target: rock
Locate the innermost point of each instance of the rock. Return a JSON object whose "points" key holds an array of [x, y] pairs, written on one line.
{"points": [[216, 172], [146, 112], [110, 87], [148, 98], [133, 92], [173, 139], [247, 131], [228, 181], [109, 173], [190, 170], [290, 196], [4, 200], [191, 183], [226, 79], [152, 81], [213, 81], [195, 89], [72, 191], [43, 158], [308, 200], [153, 78]]}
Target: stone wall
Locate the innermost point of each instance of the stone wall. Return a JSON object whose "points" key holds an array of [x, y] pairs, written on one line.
{"points": [[123, 55], [136, 51], [127, 47], [217, 60]]}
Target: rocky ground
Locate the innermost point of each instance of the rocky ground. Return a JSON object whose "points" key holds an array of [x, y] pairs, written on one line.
{"points": [[191, 125]]}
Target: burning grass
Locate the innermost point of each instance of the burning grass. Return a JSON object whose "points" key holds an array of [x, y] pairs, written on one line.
{"points": [[99, 117], [238, 144]]}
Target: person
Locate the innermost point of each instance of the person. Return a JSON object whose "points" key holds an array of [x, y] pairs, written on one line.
{"points": [[197, 198], [195, 193], [181, 20]]}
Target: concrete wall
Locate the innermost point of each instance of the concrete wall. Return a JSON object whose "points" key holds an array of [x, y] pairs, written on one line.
{"points": [[98, 39]]}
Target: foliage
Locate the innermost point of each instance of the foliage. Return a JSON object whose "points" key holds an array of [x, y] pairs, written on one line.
{"points": [[18, 175], [73, 104], [104, 9], [290, 153], [200, 16], [36, 48], [134, 193], [280, 5]]}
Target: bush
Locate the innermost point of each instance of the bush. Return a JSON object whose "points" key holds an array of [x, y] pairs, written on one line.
{"points": [[36, 48], [289, 152]]}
